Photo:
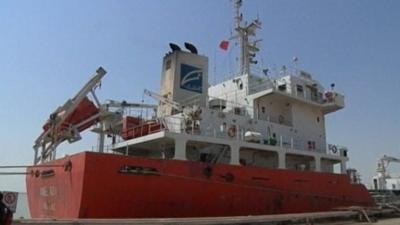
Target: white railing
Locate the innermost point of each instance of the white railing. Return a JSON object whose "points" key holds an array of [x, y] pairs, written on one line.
{"points": [[318, 97], [263, 85], [178, 125]]}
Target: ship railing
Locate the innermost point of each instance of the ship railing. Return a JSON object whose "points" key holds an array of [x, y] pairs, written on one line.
{"points": [[264, 84], [327, 97], [177, 125], [196, 100], [323, 97], [385, 197], [144, 113], [275, 72], [145, 128], [246, 110]]}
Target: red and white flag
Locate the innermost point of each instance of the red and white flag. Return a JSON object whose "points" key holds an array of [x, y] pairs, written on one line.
{"points": [[224, 45]]}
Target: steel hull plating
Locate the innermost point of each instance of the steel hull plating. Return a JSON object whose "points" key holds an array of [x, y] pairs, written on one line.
{"points": [[96, 185]]}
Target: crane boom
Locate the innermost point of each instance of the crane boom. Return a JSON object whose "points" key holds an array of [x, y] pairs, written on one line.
{"points": [[163, 99], [389, 159], [381, 169]]}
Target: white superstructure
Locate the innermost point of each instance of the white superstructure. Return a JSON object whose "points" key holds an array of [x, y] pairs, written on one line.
{"points": [[249, 120]]}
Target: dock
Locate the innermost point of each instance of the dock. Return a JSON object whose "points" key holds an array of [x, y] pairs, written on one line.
{"points": [[352, 215]]}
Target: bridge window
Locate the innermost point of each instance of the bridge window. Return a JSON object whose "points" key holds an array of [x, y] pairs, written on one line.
{"points": [[300, 90]]}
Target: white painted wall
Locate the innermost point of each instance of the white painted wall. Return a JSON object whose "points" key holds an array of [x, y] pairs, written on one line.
{"points": [[393, 184]]}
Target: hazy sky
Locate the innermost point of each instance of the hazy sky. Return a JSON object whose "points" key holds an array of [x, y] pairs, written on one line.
{"points": [[48, 49]]}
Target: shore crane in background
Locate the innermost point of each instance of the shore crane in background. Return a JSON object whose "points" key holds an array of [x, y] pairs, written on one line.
{"points": [[383, 181]]}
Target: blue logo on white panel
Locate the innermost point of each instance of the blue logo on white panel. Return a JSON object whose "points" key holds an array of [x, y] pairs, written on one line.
{"points": [[191, 78]]}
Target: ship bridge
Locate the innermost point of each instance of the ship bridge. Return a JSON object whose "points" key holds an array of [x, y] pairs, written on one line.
{"points": [[302, 89]]}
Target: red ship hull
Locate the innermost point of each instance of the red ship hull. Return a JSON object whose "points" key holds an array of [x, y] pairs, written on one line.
{"points": [[98, 185]]}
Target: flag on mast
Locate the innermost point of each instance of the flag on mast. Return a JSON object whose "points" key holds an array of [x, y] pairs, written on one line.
{"points": [[224, 45]]}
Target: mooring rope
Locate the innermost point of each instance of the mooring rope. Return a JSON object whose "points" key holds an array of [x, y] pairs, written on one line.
{"points": [[14, 173], [23, 167], [26, 166]]}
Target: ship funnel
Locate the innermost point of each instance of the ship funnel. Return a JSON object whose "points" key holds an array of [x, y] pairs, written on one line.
{"points": [[174, 47], [191, 48], [184, 79]]}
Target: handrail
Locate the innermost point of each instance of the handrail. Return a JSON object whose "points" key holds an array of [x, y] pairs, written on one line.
{"points": [[143, 131], [285, 142]]}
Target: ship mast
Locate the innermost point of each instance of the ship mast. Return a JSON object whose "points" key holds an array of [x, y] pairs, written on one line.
{"points": [[244, 32]]}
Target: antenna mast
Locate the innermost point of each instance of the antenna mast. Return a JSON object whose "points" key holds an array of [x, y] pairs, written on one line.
{"points": [[247, 47]]}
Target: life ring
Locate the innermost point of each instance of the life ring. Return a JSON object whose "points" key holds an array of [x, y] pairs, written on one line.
{"points": [[232, 131], [329, 96]]}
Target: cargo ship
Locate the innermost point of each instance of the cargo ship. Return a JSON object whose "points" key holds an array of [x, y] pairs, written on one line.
{"points": [[253, 144]]}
